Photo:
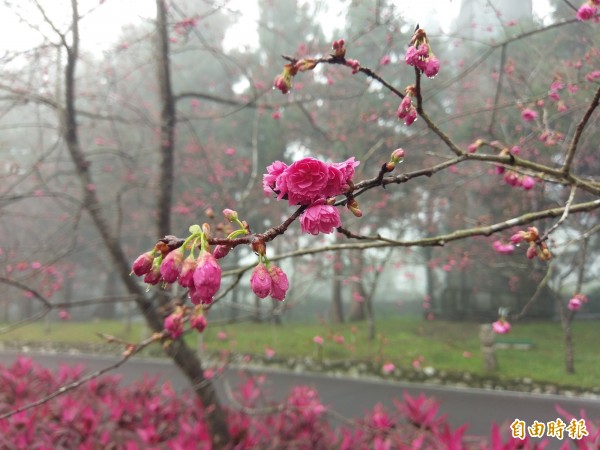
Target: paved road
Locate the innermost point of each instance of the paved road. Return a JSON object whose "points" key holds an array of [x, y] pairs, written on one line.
{"points": [[478, 407]]}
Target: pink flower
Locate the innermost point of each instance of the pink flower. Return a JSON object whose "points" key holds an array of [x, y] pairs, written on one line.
{"points": [[143, 264], [433, 67], [385, 60], [171, 265], [154, 276], [207, 276], [593, 75], [279, 282], [186, 275], [260, 281], [230, 214], [269, 353], [270, 178], [501, 326], [574, 304], [527, 183], [340, 175], [577, 302], [174, 324], [586, 11], [63, 314], [388, 368], [503, 249], [528, 115], [320, 218], [221, 251], [198, 322], [283, 82], [221, 335], [318, 340], [304, 181]]}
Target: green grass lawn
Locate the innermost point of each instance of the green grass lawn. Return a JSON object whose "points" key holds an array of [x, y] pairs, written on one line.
{"points": [[451, 346]]}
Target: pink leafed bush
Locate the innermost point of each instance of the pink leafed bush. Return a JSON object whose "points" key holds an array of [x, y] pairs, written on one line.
{"points": [[146, 415]]}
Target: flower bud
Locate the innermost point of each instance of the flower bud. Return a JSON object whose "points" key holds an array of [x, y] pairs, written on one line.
{"points": [[221, 251], [397, 155], [230, 214], [143, 263], [186, 275], [207, 277], [260, 281], [353, 207], [154, 276], [279, 282], [198, 320], [339, 49], [174, 324], [171, 265]]}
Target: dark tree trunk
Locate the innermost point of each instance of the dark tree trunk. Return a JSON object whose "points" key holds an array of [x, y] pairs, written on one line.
{"points": [[186, 359], [337, 309]]}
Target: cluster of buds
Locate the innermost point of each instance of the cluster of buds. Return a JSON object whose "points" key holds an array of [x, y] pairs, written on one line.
{"points": [[267, 278], [339, 48], [588, 10], [166, 264], [407, 110], [537, 247], [514, 179], [576, 302], [174, 322], [419, 54]]}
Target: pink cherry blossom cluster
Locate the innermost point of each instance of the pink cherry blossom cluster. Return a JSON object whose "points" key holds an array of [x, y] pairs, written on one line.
{"points": [[419, 54], [312, 183], [514, 179], [201, 275], [537, 247], [174, 322], [588, 10], [576, 302], [406, 110], [269, 279]]}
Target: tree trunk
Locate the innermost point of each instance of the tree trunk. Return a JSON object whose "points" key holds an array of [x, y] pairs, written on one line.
{"points": [[337, 309], [185, 358]]}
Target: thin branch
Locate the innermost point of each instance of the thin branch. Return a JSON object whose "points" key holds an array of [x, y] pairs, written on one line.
{"points": [[578, 131]]}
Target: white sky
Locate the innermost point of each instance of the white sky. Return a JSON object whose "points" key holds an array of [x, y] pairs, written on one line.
{"points": [[103, 25]]}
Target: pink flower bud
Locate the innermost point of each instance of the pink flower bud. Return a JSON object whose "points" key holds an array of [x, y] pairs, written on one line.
{"points": [[63, 314], [154, 277], [143, 263], [171, 265], [527, 183], [230, 214], [186, 275], [433, 67], [528, 115], [517, 237], [221, 251], [198, 322], [174, 324], [207, 277], [260, 281], [532, 252], [397, 155], [279, 282], [318, 340]]}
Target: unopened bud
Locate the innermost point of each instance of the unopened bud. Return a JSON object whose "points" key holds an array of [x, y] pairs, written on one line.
{"points": [[230, 214], [390, 166], [339, 49], [206, 229], [397, 155], [353, 207], [221, 251], [258, 246], [305, 64]]}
